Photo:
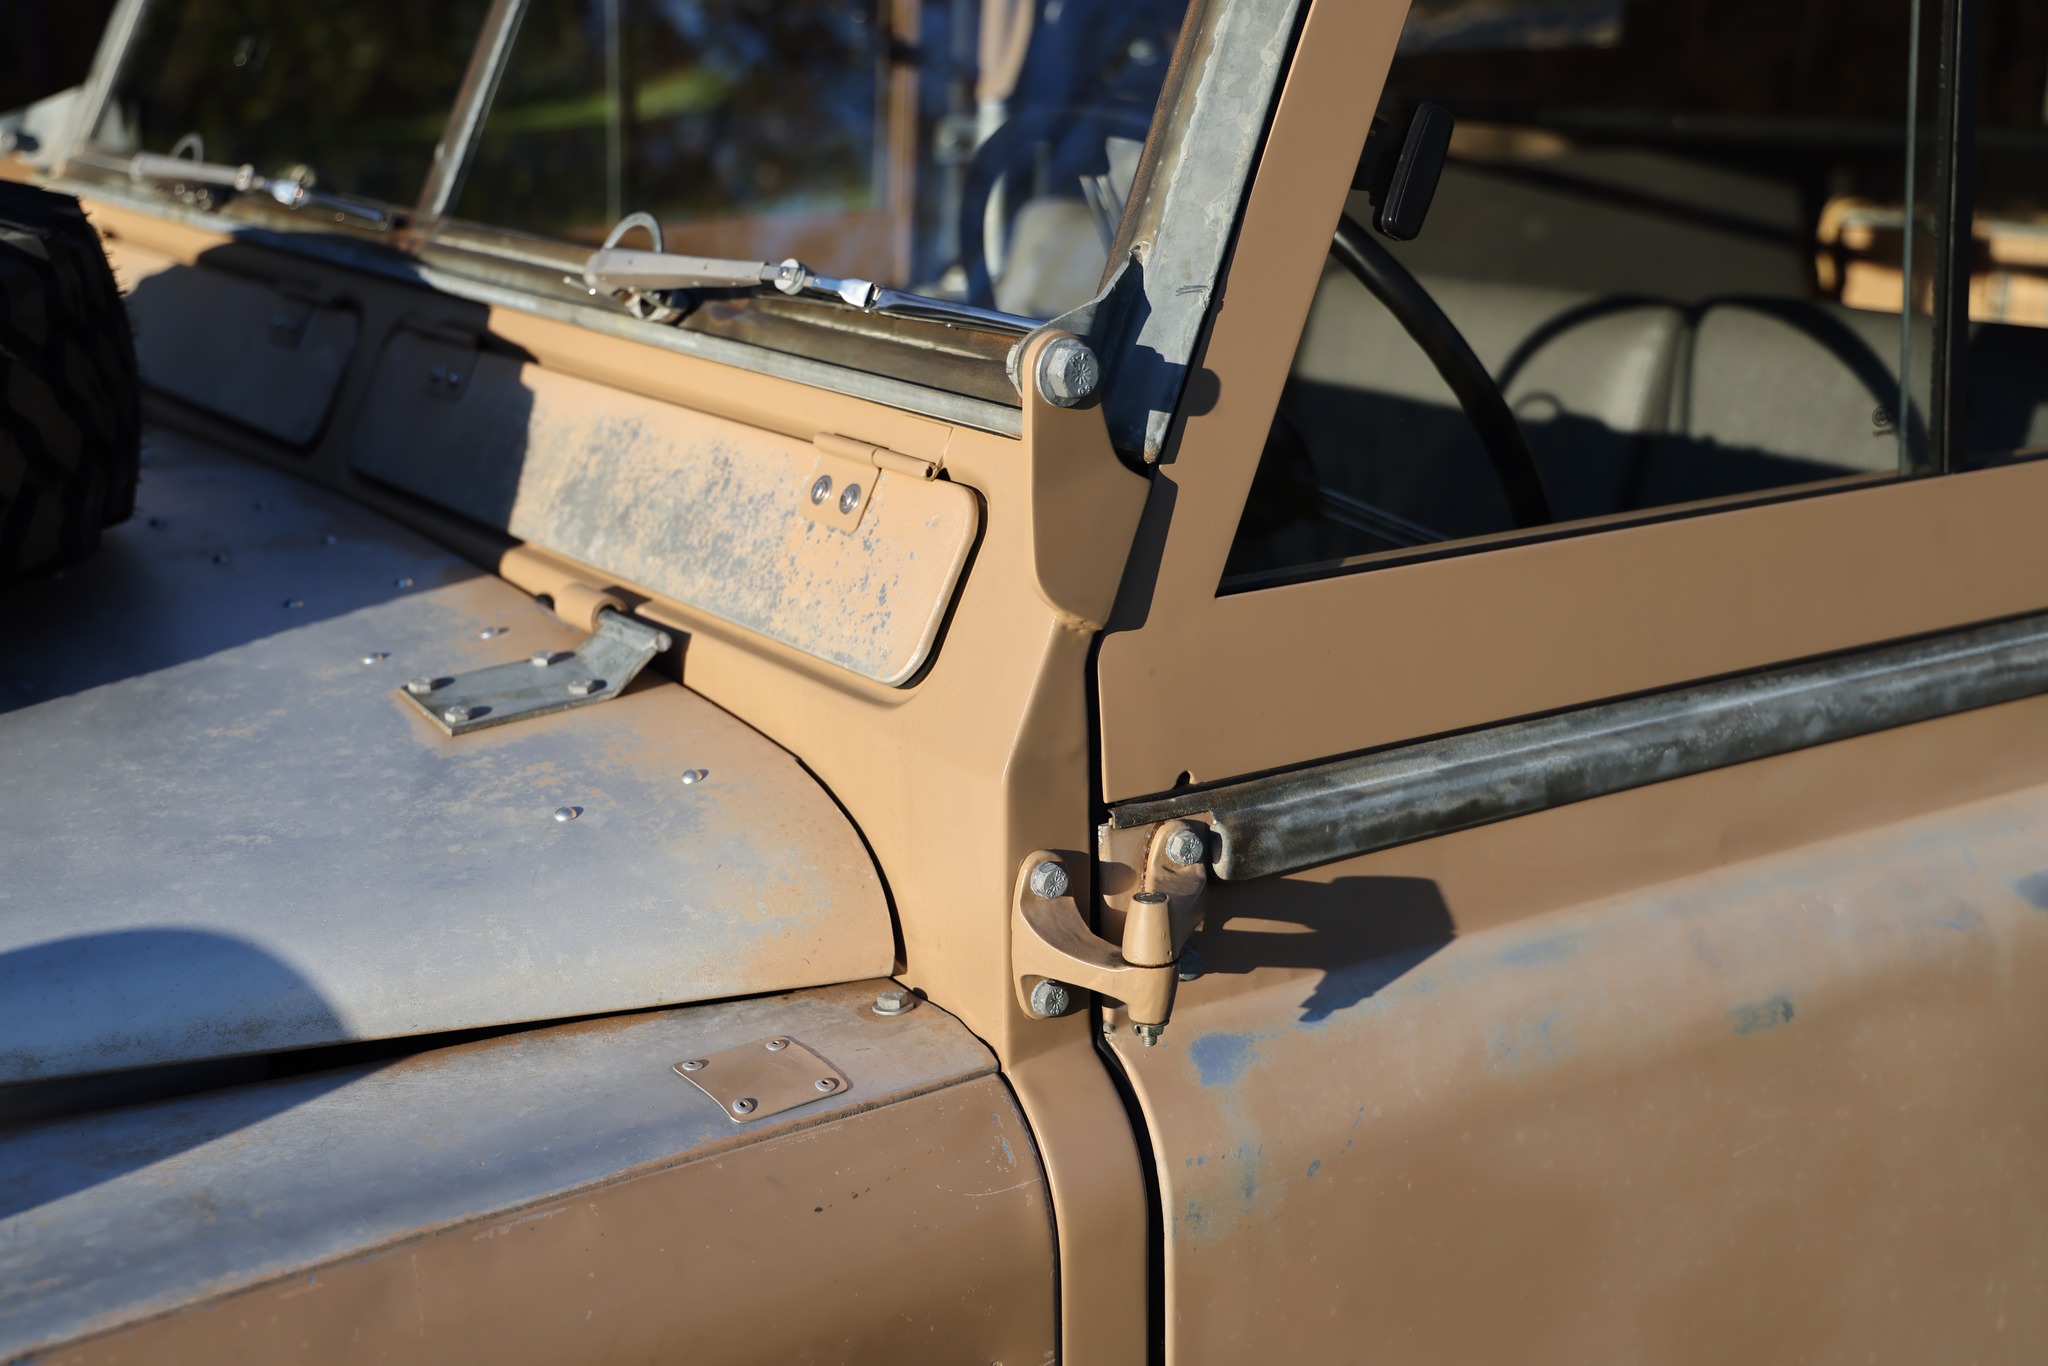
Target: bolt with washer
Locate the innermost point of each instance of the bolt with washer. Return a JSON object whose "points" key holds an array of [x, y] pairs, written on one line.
{"points": [[1050, 999], [821, 488], [894, 1001], [1049, 881], [745, 1105]]}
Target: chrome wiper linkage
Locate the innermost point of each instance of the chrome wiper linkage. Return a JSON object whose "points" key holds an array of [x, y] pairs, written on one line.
{"points": [[636, 277], [180, 169]]}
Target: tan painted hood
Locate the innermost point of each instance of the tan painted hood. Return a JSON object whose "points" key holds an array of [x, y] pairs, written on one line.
{"points": [[222, 833]]}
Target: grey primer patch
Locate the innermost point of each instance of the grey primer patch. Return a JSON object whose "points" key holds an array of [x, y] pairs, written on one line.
{"points": [[1757, 1016], [2033, 888]]}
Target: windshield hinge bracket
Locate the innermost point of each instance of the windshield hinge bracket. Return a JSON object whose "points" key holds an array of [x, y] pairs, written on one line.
{"points": [[596, 670]]}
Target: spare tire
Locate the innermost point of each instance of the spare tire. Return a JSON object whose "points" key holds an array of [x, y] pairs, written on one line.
{"points": [[70, 403]]}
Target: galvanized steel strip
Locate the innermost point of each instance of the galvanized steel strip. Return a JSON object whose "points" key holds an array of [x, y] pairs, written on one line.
{"points": [[1294, 820]]}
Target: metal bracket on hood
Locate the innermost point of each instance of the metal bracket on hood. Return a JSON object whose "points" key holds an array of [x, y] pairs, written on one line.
{"points": [[550, 681], [764, 1078]]}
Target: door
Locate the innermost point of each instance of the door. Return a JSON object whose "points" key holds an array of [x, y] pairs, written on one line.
{"points": [[1623, 937]]}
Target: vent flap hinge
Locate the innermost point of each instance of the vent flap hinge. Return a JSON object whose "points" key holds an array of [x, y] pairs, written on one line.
{"points": [[597, 670]]}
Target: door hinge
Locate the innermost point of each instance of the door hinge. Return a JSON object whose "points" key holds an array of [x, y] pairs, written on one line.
{"points": [[1054, 951]]}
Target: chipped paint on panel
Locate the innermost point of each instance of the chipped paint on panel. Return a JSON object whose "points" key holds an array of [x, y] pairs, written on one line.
{"points": [[1613, 1100], [700, 509]]}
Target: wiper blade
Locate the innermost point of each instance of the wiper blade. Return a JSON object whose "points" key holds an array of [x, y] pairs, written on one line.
{"points": [[637, 277], [177, 169]]}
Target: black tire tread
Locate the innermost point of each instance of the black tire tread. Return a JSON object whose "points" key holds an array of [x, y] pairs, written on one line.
{"points": [[70, 400]]}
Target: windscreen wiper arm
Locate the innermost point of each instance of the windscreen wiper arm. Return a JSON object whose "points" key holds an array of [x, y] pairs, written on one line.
{"points": [[178, 169], [631, 276]]}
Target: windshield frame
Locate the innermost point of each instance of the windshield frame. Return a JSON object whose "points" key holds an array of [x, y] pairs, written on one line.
{"points": [[1192, 178]]}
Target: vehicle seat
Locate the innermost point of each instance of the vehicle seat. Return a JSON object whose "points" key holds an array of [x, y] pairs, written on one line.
{"points": [[1588, 376], [1781, 391]]}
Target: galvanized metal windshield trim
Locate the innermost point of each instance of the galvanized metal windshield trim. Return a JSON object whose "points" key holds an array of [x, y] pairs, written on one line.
{"points": [[473, 100], [1184, 210], [107, 61], [895, 393], [1298, 819]]}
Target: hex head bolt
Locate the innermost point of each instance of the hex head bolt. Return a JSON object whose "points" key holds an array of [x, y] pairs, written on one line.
{"points": [[1050, 999], [894, 1001], [1068, 373], [1049, 881], [1185, 848]]}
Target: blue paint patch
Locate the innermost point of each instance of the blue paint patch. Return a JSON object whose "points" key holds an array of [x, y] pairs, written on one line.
{"points": [[2033, 889], [1532, 1043], [1220, 1059], [1315, 1166], [1757, 1016], [1963, 918], [1544, 953], [1194, 1218]]}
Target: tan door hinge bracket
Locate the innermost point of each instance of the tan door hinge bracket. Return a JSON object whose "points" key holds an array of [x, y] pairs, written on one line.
{"points": [[1053, 951]]}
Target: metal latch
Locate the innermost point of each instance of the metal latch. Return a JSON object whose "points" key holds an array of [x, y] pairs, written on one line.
{"points": [[1052, 948], [552, 680]]}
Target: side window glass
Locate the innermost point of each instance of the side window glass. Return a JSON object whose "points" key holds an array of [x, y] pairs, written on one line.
{"points": [[1676, 248], [2006, 363], [349, 99], [968, 149]]}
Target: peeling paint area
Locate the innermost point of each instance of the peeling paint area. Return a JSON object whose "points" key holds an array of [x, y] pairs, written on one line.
{"points": [[703, 510], [1754, 1017], [1361, 1094]]}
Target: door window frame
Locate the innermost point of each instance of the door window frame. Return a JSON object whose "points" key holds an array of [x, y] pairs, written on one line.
{"points": [[1196, 687]]}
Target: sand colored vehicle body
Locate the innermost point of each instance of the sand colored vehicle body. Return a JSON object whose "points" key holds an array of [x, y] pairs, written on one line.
{"points": [[1244, 901]]}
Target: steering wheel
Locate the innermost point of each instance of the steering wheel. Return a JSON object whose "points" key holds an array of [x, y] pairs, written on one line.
{"points": [[1484, 405]]}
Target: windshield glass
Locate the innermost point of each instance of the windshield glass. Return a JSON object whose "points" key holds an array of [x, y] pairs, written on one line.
{"points": [[351, 98], [978, 150]]}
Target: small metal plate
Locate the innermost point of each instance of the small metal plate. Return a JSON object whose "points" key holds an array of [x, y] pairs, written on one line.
{"points": [[594, 671], [762, 1078]]}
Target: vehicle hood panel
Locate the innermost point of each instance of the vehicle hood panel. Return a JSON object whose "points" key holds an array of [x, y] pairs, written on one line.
{"points": [[225, 833]]}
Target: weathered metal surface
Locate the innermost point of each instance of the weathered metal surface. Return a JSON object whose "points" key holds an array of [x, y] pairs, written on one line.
{"points": [[227, 835], [108, 1219], [1185, 209], [269, 358], [1792, 1108], [1296, 820], [596, 670], [703, 510], [763, 1078]]}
